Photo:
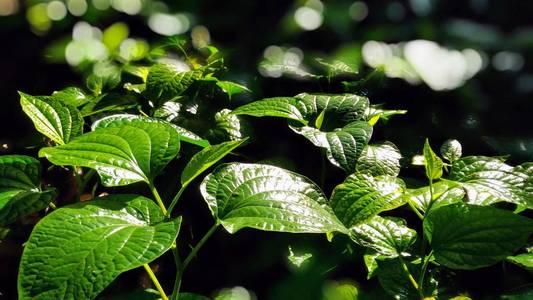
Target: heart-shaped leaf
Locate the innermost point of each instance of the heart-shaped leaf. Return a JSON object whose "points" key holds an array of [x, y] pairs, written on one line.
{"points": [[380, 159], [465, 236], [57, 121], [122, 151], [77, 250], [388, 237], [166, 81], [489, 180], [20, 192], [361, 197], [444, 193], [267, 198]]}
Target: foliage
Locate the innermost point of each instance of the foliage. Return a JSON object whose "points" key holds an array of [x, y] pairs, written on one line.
{"points": [[141, 111]]}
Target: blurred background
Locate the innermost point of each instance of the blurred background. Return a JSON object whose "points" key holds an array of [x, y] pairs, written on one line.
{"points": [[462, 69]]}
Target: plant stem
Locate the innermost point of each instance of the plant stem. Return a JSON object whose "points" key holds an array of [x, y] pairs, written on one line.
{"points": [[155, 281], [86, 179], [424, 268], [413, 208], [194, 251], [158, 198], [322, 167], [176, 198], [411, 278]]}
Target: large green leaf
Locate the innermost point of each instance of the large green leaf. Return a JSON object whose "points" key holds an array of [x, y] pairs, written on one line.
{"points": [[166, 81], [122, 152], [465, 236], [361, 197], [380, 159], [204, 159], [20, 192], [267, 198], [488, 180], [57, 121], [118, 119], [77, 250], [283, 107], [387, 236], [444, 192], [343, 146]]}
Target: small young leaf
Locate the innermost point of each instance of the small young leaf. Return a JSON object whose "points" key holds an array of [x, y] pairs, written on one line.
{"points": [[283, 107], [230, 127], [77, 250], [489, 180], [72, 96], [380, 159], [388, 237], [20, 192], [374, 111], [433, 163], [467, 236], [267, 198], [451, 150], [122, 152], [524, 260], [57, 121], [232, 88], [361, 197], [204, 159], [336, 67], [298, 259]]}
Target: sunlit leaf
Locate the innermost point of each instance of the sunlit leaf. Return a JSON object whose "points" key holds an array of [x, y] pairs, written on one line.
{"points": [[77, 250], [165, 82], [432, 163], [444, 193], [380, 159], [232, 88]]}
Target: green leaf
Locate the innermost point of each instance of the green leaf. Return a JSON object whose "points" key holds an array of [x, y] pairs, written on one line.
{"points": [[283, 107], [380, 159], [122, 151], [298, 259], [467, 236], [235, 293], [524, 260], [444, 193], [57, 121], [118, 119], [432, 163], [20, 192], [361, 197], [267, 198], [229, 127], [79, 249], [339, 291], [451, 150], [336, 67], [387, 236], [376, 110], [489, 180], [114, 35], [343, 146], [72, 96], [232, 88], [166, 81], [109, 102], [204, 159]]}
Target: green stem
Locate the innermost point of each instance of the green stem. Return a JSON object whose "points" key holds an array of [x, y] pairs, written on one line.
{"points": [[322, 168], [413, 208], [86, 178], [411, 278], [176, 198], [158, 198], [155, 281], [424, 269], [194, 251]]}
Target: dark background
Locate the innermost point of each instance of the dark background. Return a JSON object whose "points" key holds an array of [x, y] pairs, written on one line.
{"points": [[490, 115]]}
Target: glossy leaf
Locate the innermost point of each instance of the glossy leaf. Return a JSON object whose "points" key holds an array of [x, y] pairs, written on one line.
{"points": [[121, 151], [465, 236], [444, 193], [166, 81], [77, 250], [57, 121], [230, 127], [72, 96], [384, 114], [232, 88], [204, 159], [380, 159], [451, 150], [524, 260], [267, 198], [387, 236], [283, 107], [488, 180], [343, 146], [118, 119], [20, 192], [361, 197], [432, 163], [336, 67]]}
